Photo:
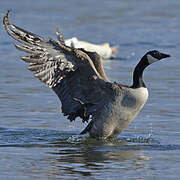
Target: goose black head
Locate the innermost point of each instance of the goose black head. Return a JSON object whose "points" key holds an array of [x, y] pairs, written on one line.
{"points": [[153, 56]]}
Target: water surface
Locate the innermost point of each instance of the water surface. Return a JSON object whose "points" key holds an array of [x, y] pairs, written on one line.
{"points": [[37, 142]]}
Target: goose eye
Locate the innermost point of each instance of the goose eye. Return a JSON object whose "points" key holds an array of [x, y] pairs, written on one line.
{"points": [[156, 55]]}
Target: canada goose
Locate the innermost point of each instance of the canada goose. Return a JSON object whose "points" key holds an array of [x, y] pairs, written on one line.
{"points": [[104, 50], [78, 79]]}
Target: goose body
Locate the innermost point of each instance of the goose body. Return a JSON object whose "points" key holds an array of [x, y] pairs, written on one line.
{"points": [[79, 80], [118, 113]]}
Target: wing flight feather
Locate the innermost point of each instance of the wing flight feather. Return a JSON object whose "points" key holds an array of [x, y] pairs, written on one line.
{"points": [[73, 74]]}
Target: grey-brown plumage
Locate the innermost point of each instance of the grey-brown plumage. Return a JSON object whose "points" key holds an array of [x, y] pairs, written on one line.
{"points": [[79, 80]]}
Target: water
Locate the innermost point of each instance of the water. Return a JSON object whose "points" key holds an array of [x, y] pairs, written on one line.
{"points": [[37, 142]]}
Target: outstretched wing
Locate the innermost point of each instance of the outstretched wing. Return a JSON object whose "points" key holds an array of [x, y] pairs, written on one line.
{"points": [[68, 71], [96, 59]]}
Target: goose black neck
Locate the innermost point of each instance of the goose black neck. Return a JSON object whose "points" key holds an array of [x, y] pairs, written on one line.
{"points": [[138, 73]]}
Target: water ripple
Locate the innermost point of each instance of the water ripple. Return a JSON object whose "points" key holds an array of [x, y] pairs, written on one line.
{"points": [[30, 138]]}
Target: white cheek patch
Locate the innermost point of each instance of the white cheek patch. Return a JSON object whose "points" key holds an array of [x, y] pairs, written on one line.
{"points": [[151, 59]]}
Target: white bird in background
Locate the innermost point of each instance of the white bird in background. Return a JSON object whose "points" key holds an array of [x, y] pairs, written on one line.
{"points": [[104, 50]]}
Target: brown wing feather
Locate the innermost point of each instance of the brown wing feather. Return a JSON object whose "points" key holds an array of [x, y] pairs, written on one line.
{"points": [[97, 61], [95, 57], [70, 72]]}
